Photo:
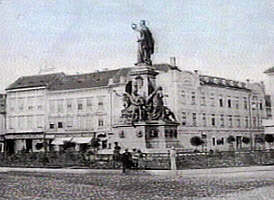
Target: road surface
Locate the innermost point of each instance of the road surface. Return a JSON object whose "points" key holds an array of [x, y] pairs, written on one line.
{"points": [[210, 184]]}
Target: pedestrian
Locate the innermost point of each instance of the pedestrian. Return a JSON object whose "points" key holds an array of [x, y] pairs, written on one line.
{"points": [[116, 154], [126, 160], [172, 154]]}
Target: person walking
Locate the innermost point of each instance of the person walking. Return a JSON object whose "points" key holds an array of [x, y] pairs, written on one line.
{"points": [[116, 154], [126, 160]]}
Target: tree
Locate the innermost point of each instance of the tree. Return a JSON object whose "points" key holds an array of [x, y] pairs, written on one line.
{"points": [[196, 141], [230, 139], [246, 140], [95, 143], [269, 138]]}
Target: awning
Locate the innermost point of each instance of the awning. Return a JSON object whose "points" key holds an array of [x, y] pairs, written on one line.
{"points": [[60, 141], [81, 140]]}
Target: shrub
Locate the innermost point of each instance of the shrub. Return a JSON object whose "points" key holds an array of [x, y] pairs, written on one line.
{"points": [[246, 140], [230, 139], [269, 138], [39, 146], [196, 141]]}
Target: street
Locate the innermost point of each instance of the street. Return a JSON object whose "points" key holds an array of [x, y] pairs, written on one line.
{"points": [[228, 184]]}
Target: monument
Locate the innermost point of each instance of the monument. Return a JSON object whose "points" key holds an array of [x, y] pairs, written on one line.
{"points": [[145, 122]]}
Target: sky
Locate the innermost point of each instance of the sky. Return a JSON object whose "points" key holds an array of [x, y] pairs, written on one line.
{"points": [[231, 39]]}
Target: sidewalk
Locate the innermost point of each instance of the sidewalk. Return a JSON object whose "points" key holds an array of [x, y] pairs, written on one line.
{"points": [[188, 172]]}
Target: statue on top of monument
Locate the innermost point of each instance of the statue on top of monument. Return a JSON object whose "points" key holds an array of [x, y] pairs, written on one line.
{"points": [[145, 43]]}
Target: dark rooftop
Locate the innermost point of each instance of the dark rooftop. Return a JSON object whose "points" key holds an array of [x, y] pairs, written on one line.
{"points": [[35, 81], [90, 80], [221, 82], [270, 70]]}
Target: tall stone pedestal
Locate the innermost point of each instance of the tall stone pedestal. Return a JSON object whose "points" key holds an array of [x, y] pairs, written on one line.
{"points": [[146, 123], [149, 136]]}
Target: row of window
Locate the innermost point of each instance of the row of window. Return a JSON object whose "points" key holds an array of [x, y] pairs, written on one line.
{"points": [[26, 122], [80, 104], [221, 101], [80, 122], [219, 120], [37, 122], [25, 104]]}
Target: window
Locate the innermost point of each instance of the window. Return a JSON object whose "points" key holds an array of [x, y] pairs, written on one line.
{"points": [[204, 119], [213, 122], [82, 121], [69, 122], [11, 123], [60, 124], [222, 121], [212, 99], [229, 103], [69, 105], [261, 105], [203, 100], [21, 104], [194, 119], [79, 105], [20, 121], [40, 102], [183, 119], [245, 103], [60, 108], [193, 98], [246, 121], [11, 105], [237, 103], [52, 106], [220, 141], [230, 124], [221, 103], [51, 125], [29, 122], [238, 121], [100, 122], [183, 95], [40, 122], [254, 122], [30, 103], [89, 104]]}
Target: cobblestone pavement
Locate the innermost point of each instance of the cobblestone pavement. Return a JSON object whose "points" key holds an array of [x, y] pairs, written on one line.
{"points": [[62, 186]]}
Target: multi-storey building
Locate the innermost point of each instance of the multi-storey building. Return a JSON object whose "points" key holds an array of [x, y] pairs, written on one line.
{"points": [[269, 122], [2, 120], [82, 107], [214, 108], [27, 112], [76, 108]]}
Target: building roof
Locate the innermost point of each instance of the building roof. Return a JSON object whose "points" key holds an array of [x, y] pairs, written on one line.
{"points": [[44, 80], [89, 80], [165, 67], [270, 70], [221, 82]]}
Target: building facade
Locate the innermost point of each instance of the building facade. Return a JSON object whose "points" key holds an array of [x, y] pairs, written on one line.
{"points": [[2, 121], [27, 112], [77, 108]]}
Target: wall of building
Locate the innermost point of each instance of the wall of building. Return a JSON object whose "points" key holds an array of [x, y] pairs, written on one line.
{"points": [[26, 110], [209, 111]]}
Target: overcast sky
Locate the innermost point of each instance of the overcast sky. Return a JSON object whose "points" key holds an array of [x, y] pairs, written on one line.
{"points": [[232, 39]]}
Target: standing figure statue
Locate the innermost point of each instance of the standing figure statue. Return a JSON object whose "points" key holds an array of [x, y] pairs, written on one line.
{"points": [[145, 43]]}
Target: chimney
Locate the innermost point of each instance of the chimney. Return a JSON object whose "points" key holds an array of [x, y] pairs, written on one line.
{"points": [[173, 61]]}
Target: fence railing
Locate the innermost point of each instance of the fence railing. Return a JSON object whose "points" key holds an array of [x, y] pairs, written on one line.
{"points": [[184, 160]]}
